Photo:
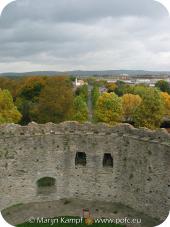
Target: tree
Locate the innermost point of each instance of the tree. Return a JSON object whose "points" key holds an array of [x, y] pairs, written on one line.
{"points": [[10, 84], [122, 88], [163, 85], [95, 95], [83, 92], [130, 103], [8, 111], [31, 87], [109, 108], [150, 112], [24, 106], [55, 101], [166, 100], [80, 109], [111, 87], [28, 92]]}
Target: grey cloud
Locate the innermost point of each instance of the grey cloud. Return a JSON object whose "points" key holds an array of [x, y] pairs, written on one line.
{"points": [[84, 34], [79, 10]]}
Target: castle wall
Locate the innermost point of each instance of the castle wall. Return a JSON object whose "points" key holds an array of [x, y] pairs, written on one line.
{"points": [[139, 178]]}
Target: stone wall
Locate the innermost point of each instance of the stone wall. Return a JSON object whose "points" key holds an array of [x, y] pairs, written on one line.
{"points": [[139, 178]]}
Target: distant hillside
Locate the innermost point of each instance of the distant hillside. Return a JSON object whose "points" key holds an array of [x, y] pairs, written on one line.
{"points": [[90, 73], [34, 73]]}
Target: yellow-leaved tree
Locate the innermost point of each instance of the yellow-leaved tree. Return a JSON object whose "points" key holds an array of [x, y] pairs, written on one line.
{"points": [[111, 87], [8, 111], [130, 103], [150, 112], [166, 100], [109, 108]]}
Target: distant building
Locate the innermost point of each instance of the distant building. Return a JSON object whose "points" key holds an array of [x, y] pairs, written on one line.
{"points": [[79, 83], [143, 81], [102, 90], [151, 85], [111, 81]]}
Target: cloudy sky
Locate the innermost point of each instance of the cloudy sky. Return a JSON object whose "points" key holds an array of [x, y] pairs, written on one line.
{"points": [[84, 34]]}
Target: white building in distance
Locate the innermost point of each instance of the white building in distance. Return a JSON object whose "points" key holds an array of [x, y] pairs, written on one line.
{"points": [[79, 83]]}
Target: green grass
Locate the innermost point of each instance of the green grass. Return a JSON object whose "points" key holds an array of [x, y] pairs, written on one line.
{"points": [[66, 224]]}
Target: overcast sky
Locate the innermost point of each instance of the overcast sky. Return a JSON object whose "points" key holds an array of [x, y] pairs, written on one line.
{"points": [[84, 34]]}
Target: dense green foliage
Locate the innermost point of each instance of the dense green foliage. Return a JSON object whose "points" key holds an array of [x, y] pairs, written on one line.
{"points": [[95, 95], [122, 88], [163, 85], [83, 92], [80, 109]]}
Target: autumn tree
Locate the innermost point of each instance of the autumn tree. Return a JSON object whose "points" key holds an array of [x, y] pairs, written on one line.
{"points": [[80, 109], [55, 101], [109, 108], [9, 84], [28, 91], [166, 100], [30, 87], [111, 87], [130, 103], [150, 112], [8, 111]]}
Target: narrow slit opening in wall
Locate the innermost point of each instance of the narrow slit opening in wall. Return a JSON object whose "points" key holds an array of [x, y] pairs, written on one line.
{"points": [[107, 160], [80, 159], [46, 186]]}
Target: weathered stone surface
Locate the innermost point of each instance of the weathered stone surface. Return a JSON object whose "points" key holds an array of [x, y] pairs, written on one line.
{"points": [[140, 177]]}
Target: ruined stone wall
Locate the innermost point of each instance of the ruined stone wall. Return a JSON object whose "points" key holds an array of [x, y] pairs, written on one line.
{"points": [[139, 178]]}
